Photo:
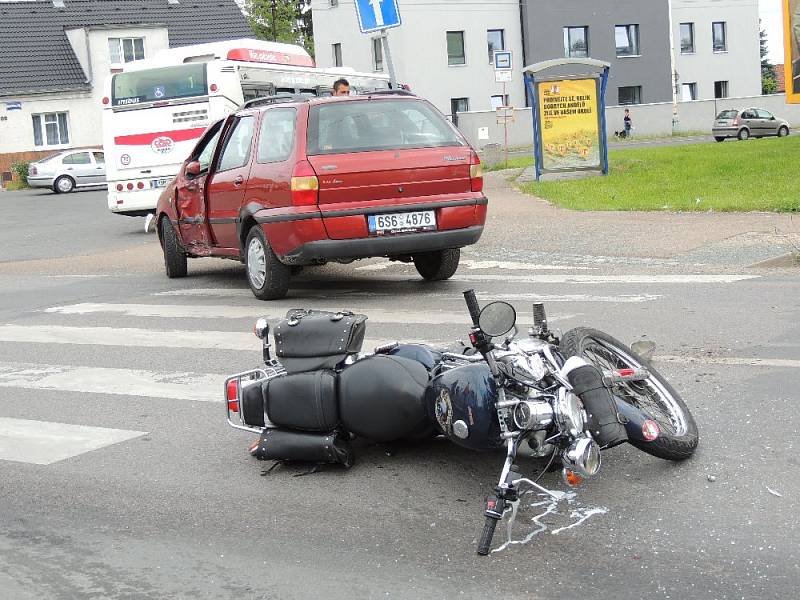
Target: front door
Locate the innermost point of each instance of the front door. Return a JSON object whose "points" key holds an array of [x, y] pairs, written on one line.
{"points": [[190, 203], [228, 181]]}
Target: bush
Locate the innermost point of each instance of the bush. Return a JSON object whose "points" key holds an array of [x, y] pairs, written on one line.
{"points": [[21, 169]]}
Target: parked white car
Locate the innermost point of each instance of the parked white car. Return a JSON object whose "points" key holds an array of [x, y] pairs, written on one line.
{"points": [[69, 170]]}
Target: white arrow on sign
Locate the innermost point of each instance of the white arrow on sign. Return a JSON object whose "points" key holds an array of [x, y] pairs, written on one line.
{"points": [[376, 8]]}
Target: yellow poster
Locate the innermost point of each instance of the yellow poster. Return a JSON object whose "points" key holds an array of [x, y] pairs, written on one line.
{"points": [[791, 25], [568, 114]]}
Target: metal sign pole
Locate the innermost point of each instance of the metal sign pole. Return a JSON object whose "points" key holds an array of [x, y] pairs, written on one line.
{"points": [[388, 53], [505, 124]]}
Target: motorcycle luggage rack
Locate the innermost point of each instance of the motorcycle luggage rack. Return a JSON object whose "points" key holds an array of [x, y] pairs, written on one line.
{"points": [[248, 378]]}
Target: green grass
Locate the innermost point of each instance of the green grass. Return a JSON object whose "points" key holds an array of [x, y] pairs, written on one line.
{"points": [[758, 175]]}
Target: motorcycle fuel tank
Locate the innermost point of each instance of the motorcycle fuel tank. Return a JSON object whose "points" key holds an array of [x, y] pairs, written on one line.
{"points": [[461, 402]]}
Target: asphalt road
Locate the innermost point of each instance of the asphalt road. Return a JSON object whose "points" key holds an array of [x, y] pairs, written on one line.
{"points": [[168, 504]]}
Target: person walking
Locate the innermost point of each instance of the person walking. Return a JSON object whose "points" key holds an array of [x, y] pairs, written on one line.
{"points": [[628, 123]]}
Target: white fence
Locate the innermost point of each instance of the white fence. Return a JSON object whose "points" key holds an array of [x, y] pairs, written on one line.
{"points": [[648, 119]]}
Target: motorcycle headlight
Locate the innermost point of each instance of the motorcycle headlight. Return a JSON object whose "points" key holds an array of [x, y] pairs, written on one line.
{"points": [[569, 412], [583, 457]]}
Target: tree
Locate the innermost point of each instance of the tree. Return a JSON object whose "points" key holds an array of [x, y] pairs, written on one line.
{"points": [[769, 81], [287, 21]]}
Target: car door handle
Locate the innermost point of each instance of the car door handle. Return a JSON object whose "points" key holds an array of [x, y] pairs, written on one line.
{"points": [[239, 180]]}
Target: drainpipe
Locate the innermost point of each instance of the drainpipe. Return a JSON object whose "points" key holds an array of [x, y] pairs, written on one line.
{"points": [[673, 74]]}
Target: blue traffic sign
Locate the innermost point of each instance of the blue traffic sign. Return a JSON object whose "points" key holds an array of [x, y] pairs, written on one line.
{"points": [[374, 15]]}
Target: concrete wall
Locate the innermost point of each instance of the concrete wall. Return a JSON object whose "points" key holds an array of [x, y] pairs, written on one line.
{"points": [[419, 48], [544, 22], [740, 65], [648, 119]]}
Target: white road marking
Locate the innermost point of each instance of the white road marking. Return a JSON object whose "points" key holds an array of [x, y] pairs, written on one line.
{"points": [[43, 442], [568, 278], [122, 382], [729, 361], [486, 264]]}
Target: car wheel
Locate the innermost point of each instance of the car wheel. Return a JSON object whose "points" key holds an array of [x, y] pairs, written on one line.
{"points": [[719, 138], [64, 185], [268, 277], [439, 265], [743, 134], [174, 256], [783, 131]]}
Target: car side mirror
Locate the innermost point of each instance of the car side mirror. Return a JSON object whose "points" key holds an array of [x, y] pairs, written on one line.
{"points": [[772, 118], [192, 169]]}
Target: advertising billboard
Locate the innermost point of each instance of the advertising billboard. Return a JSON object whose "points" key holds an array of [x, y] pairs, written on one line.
{"points": [[791, 25]]}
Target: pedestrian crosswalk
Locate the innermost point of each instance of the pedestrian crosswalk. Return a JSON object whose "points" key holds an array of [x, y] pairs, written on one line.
{"points": [[197, 321]]}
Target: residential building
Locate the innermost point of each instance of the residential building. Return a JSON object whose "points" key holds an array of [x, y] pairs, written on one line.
{"points": [[442, 50], [56, 55]]}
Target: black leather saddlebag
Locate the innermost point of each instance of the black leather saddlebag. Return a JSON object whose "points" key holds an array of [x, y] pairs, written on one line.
{"points": [[252, 404], [604, 422], [307, 340], [278, 444], [382, 398], [304, 401]]}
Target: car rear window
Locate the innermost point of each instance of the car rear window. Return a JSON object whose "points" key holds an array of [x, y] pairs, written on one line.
{"points": [[367, 125], [727, 114]]}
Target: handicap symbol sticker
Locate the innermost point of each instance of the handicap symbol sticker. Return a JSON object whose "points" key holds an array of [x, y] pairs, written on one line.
{"points": [[159, 91]]}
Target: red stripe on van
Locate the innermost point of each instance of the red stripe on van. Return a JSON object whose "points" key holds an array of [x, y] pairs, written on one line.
{"points": [[145, 139]]}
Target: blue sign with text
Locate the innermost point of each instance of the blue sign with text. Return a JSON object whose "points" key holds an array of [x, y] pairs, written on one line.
{"points": [[374, 15]]}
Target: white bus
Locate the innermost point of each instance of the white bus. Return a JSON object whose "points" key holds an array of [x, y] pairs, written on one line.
{"points": [[156, 109]]}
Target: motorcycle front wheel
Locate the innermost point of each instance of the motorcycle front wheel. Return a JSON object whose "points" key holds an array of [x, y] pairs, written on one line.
{"points": [[654, 397]]}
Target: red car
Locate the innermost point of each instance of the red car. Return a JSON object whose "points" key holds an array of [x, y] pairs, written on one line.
{"points": [[300, 181]]}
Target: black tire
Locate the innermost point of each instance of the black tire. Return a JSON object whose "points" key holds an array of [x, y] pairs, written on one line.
{"points": [[267, 276], [743, 134], [64, 185], [174, 256], [783, 131], [719, 138], [487, 534], [655, 397], [438, 265]]}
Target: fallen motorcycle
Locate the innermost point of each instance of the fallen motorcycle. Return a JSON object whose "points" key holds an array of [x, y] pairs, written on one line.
{"points": [[561, 401]]}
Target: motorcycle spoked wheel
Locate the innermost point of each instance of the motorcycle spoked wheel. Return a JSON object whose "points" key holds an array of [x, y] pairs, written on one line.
{"points": [[655, 397]]}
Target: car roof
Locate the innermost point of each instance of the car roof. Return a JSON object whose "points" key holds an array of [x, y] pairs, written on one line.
{"points": [[294, 99]]}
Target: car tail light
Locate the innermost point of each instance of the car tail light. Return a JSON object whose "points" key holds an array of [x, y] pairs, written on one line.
{"points": [[305, 185], [736, 121], [32, 170], [232, 395], [119, 187], [475, 173], [129, 186], [140, 185]]}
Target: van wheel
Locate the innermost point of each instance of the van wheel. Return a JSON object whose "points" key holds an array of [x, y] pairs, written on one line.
{"points": [[174, 256], [268, 277], [438, 265], [743, 134], [64, 185]]}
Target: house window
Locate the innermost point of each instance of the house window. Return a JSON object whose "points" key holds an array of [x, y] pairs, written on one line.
{"points": [[337, 55], [631, 94], [627, 40], [719, 31], [720, 89], [455, 48], [124, 50], [498, 101], [687, 38], [688, 92], [458, 105], [377, 54], [334, 3], [496, 41], [50, 129], [576, 42]]}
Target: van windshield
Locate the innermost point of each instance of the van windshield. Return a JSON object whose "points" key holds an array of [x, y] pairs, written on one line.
{"points": [[166, 83], [367, 125]]}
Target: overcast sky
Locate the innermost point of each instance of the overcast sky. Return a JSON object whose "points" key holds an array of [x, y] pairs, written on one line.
{"points": [[771, 12]]}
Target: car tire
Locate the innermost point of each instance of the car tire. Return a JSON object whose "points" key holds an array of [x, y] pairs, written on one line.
{"points": [[267, 276], [64, 185], [783, 131], [174, 256], [744, 134], [719, 138], [438, 265]]}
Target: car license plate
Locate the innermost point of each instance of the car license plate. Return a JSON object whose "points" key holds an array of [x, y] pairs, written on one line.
{"points": [[159, 183], [424, 220]]}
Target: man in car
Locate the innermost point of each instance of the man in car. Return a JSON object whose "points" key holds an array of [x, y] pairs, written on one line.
{"points": [[341, 87]]}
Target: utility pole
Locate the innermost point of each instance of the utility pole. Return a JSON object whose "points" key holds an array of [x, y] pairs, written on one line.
{"points": [[274, 21]]}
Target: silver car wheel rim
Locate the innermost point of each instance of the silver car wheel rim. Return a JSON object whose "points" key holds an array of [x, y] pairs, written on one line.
{"points": [[256, 263], [64, 185]]}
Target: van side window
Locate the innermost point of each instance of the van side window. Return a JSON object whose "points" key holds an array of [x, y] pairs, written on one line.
{"points": [[237, 147], [276, 140]]}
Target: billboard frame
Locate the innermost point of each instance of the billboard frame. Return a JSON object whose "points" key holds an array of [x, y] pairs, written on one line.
{"points": [[790, 79]]}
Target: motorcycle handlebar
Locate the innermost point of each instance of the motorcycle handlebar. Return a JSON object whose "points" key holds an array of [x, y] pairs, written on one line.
{"points": [[473, 306]]}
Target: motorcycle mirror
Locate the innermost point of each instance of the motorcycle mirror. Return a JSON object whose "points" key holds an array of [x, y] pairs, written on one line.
{"points": [[497, 318]]}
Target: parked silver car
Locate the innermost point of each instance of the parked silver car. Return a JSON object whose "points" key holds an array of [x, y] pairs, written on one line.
{"points": [[747, 123], [68, 170]]}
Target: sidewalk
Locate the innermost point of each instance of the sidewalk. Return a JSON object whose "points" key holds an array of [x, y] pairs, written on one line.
{"points": [[732, 240]]}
